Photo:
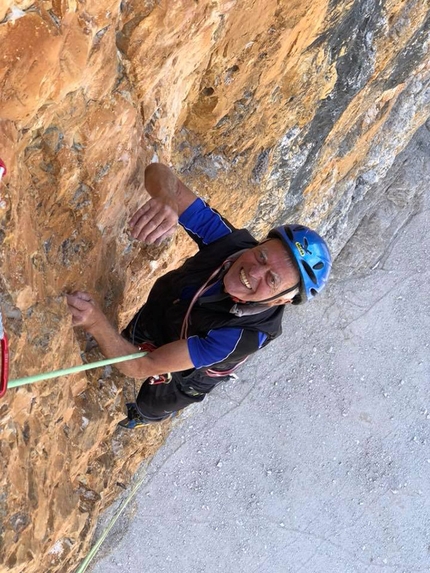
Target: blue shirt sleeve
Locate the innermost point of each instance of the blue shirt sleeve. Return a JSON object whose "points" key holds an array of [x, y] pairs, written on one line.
{"points": [[216, 346], [204, 224]]}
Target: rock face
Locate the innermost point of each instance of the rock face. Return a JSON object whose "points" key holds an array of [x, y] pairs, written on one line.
{"points": [[272, 110]]}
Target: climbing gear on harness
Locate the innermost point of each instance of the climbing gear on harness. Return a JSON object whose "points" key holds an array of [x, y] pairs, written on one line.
{"points": [[146, 346], [152, 381], [160, 379], [224, 373], [312, 257]]}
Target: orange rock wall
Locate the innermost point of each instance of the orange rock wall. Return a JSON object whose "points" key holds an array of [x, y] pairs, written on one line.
{"points": [[274, 110]]}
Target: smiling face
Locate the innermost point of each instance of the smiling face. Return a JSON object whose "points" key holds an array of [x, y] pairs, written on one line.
{"points": [[261, 273]]}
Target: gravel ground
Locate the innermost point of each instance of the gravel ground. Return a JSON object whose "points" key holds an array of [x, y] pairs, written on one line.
{"points": [[317, 459]]}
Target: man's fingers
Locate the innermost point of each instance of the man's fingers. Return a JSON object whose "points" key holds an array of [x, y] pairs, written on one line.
{"points": [[156, 238], [85, 311], [78, 302], [146, 222], [154, 223], [155, 228], [77, 319], [83, 295], [147, 225], [139, 213], [78, 316]]}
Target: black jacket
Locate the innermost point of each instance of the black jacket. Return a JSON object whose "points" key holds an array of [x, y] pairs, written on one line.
{"points": [[162, 316]]}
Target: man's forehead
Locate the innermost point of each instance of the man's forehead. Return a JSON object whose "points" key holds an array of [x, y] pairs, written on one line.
{"points": [[274, 245]]}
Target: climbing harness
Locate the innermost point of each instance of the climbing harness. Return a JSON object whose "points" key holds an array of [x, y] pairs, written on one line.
{"points": [[157, 379]]}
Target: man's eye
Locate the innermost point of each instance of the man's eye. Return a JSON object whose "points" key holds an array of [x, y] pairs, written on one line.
{"points": [[273, 281]]}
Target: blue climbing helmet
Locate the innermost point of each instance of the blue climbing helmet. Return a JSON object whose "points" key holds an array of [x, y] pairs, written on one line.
{"points": [[312, 257]]}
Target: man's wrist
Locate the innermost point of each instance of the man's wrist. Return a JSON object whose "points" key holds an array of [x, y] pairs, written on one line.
{"points": [[100, 327]]}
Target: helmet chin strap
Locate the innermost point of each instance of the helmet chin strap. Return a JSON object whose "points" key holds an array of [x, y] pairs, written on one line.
{"points": [[246, 308], [275, 297], [281, 294]]}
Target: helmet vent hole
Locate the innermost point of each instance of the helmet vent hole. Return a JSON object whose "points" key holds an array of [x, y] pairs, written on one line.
{"points": [[318, 266], [300, 228], [289, 234], [313, 292], [309, 272]]}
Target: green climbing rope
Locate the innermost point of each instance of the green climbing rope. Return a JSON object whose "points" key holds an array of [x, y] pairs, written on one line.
{"points": [[72, 370], [84, 565]]}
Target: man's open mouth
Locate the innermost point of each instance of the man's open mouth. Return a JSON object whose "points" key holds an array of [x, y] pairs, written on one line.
{"points": [[244, 280]]}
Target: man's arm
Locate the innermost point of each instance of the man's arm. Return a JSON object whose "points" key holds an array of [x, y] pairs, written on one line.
{"points": [[157, 218], [172, 357]]}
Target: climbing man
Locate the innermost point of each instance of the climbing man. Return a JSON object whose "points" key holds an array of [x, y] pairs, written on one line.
{"points": [[202, 320]]}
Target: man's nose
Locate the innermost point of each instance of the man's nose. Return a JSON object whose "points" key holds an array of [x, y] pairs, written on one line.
{"points": [[257, 271]]}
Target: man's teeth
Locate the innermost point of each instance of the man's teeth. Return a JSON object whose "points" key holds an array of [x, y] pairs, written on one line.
{"points": [[244, 280]]}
